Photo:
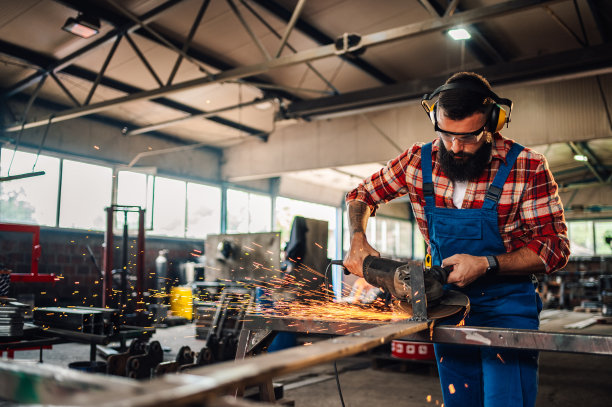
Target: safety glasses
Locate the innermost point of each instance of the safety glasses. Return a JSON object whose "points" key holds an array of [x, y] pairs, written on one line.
{"points": [[471, 137]]}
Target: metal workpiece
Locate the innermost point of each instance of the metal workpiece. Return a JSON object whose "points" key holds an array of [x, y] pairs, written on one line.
{"points": [[210, 381], [519, 339]]}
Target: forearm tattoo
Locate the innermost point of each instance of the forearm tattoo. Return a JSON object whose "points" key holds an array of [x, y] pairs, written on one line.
{"points": [[358, 214]]}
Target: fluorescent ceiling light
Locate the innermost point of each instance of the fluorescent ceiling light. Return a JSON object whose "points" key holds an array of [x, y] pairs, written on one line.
{"points": [[459, 34], [580, 157], [83, 26]]}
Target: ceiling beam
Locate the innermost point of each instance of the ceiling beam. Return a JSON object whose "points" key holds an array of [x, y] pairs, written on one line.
{"points": [[34, 58], [565, 63], [323, 39], [122, 22], [60, 64], [481, 47], [383, 37]]}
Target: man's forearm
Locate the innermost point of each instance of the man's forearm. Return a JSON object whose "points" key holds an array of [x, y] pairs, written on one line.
{"points": [[358, 215], [520, 262]]}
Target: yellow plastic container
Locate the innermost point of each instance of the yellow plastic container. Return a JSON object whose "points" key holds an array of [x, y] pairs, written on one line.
{"points": [[181, 302]]}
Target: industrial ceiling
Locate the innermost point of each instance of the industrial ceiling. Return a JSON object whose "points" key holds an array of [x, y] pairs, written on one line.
{"points": [[220, 72]]}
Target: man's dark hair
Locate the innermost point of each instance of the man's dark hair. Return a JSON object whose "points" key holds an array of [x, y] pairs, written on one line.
{"points": [[461, 103]]}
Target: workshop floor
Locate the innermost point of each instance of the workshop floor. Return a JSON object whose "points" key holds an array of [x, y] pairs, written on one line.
{"points": [[565, 379]]}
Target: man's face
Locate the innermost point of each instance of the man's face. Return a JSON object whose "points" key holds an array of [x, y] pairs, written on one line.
{"points": [[464, 152]]}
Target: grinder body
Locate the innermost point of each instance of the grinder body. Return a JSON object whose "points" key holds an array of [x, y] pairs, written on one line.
{"points": [[393, 277]]}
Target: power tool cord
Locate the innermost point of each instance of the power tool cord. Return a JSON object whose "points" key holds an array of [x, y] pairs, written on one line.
{"points": [[335, 366]]}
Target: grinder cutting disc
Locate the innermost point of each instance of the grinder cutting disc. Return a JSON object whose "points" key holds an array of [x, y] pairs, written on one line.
{"points": [[451, 303]]}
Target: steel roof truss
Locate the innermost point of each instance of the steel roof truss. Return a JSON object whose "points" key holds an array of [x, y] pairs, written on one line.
{"points": [[65, 89], [275, 33], [110, 55], [70, 59], [410, 30], [187, 42], [144, 59]]}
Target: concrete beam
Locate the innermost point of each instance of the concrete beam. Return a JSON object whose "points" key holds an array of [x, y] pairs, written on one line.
{"points": [[544, 113]]}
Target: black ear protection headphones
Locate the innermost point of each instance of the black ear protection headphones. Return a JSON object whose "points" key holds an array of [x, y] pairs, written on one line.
{"points": [[498, 116]]}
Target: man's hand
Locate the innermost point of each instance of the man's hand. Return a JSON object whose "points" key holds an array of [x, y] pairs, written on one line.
{"points": [[360, 249], [466, 268]]}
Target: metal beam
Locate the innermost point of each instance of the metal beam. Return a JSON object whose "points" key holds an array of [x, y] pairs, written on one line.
{"points": [[143, 59], [246, 26], [587, 164], [60, 64], [202, 115], [323, 39], [602, 20], [159, 37], [117, 20], [277, 35], [479, 45], [383, 37], [597, 58], [32, 57], [188, 40], [290, 25], [100, 75]]}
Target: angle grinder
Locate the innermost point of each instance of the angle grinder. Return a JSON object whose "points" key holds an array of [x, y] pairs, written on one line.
{"points": [[400, 280]]}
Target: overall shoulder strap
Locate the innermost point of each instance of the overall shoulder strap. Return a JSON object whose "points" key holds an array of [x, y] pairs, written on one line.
{"points": [[496, 187], [428, 188]]}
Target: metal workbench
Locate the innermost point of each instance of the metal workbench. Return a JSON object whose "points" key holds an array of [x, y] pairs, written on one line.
{"points": [[204, 385]]}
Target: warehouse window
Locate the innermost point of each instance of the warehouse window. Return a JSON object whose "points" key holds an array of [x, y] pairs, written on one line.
{"points": [[29, 200], [169, 207], [603, 232], [135, 189], [580, 234], [286, 209], [85, 193], [248, 212], [203, 210]]}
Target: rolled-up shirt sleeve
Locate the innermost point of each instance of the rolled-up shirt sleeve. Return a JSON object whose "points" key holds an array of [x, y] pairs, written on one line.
{"points": [[388, 183], [541, 211]]}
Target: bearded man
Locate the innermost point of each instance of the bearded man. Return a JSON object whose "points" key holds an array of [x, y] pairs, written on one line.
{"points": [[487, 207]]}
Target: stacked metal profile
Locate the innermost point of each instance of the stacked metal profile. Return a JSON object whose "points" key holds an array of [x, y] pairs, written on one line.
{"points": [[11, 318], [71, 319]]}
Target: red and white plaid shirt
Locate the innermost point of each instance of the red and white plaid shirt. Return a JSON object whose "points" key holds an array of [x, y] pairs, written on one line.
{"points": [[530, 212]]}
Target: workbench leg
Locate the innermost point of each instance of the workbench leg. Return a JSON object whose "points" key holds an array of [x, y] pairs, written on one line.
{"points": [[92, 352], [249, 342]]}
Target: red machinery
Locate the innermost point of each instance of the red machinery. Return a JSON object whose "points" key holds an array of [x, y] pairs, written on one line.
{"points": [[33, 276]]}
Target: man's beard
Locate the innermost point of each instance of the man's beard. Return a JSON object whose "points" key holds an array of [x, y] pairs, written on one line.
{"points": [[464, 166]]}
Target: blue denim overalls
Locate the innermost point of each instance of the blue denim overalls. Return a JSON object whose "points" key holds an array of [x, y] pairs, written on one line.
{"points": [[474, 375]]}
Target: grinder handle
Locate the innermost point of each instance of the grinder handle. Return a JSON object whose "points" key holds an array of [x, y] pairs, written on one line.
{"points": [[340, 263]]}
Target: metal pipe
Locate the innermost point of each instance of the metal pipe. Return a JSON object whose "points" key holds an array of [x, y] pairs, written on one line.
{"points": [[383, 37], [164, 151], [204, 115], [290, 25]]}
